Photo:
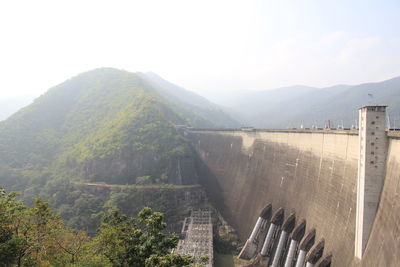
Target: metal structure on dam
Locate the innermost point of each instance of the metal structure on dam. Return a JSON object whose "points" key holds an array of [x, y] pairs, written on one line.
{"points": [[307, 197], [197, 237]]}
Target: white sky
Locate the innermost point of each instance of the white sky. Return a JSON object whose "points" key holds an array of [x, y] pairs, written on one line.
{"points": [[201, 45]]}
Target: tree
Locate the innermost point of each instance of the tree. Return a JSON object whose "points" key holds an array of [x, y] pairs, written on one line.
{"points": [[35, 236], [138, 242], [11, 244], [170, 260], [72, 243]]}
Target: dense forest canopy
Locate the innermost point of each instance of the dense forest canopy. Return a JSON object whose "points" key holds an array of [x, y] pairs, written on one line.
{"points": [[36, 236]]}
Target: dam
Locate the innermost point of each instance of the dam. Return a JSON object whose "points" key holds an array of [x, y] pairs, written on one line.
{"points": [[307, 197]]}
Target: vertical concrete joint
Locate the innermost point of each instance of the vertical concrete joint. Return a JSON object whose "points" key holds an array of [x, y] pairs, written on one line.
{"points": [[371, 171]]}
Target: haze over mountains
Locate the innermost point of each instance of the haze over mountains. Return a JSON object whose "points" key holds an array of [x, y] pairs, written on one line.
{"points": [[286, 107], [190, 100], [8, 106], [303, 105]]}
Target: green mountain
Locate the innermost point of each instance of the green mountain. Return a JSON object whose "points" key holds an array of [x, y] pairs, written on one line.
{"points": [[296, 105], [103, 125], [109, 126]]}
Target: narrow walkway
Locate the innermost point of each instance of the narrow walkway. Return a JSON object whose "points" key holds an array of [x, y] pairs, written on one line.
{"points": [[150, 186]]}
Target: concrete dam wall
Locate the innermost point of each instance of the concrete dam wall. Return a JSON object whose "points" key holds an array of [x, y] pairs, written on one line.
{"points": [[311, 175], [383, 248]]}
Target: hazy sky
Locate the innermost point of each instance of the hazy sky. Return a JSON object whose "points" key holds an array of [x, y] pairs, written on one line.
{"points": [[201, 45]]}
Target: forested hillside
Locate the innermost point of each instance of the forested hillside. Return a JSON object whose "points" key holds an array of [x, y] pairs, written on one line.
{"points": [[104, 119], [105, 125]]}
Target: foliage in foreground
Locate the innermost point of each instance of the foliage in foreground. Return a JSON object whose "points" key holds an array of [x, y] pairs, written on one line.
{"points": [[36, 236]]}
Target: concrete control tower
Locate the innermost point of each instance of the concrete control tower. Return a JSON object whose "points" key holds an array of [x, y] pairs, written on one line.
{"points": [[371, 171]]}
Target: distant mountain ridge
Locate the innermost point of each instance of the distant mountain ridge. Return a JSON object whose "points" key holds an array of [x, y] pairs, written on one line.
{"points": [[187, 99], [308, 106]]}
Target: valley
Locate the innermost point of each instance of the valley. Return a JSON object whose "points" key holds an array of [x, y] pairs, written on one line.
{"points": [[108, 139]]}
